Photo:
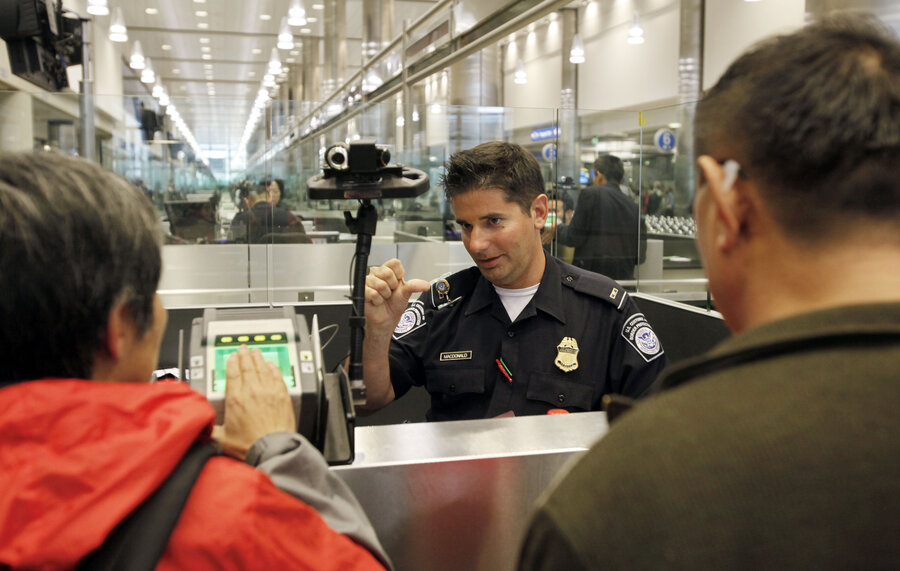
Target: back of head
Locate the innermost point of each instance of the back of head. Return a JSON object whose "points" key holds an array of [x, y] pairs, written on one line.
{"points": [[74, 240], [610, 167], [259, 193], [813, 118], [495, 165]]}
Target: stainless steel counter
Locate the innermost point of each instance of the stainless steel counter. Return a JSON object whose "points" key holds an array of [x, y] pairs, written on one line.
{"points": [[457, 495]]}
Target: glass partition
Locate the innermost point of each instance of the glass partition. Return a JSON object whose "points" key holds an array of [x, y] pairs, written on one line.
{"points": [[303, 250]]}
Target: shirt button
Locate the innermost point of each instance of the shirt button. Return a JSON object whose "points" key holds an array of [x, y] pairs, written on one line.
{"points": [[510, 333], [452, 388], [561, 397]]}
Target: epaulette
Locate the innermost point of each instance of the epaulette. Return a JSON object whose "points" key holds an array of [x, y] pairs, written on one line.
{"points": [[449, 289], [595, 285]]}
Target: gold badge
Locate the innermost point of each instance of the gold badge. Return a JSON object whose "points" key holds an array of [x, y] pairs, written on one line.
{"points": [[567, 356], [614, 293]]}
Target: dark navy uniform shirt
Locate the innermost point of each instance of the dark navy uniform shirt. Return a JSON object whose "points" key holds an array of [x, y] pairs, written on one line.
{"points": [[580, 337]]}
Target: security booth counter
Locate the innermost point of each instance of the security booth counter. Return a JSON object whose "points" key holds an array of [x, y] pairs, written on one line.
{"points": [[458, 495]]}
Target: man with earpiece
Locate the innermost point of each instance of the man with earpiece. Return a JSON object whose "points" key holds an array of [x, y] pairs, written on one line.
{"points": [[779, 448]]}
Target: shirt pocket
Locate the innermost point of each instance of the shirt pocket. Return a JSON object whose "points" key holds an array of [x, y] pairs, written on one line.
{"points": [[560, 393], [455, 382]]}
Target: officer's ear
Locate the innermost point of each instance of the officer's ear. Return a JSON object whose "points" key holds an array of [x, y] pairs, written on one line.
{"points": [[540, 207]]}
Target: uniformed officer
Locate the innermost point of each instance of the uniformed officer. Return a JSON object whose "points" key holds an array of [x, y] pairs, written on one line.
{"points": [[520, 332]]}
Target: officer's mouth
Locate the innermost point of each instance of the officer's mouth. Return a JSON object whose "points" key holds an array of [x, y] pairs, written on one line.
{"points": [[488, 263]]}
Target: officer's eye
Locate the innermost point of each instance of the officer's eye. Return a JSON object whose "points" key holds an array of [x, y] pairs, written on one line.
{"points": [[465, 225], [495, 221]]}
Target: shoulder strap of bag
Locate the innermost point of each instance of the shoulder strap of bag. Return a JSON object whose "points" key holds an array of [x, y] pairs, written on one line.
{"points": [[139, 541]]}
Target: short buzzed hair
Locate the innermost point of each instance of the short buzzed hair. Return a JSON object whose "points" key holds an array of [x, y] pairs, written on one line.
{"points": [[814, 118], [611, 167], [499, 165], [75, 240]]}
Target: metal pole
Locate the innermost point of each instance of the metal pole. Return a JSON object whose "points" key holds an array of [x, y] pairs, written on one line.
{"points": [[88, 144], [690, 72]]}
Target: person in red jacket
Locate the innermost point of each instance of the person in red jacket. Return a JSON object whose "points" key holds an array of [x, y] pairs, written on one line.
{"points": [[85, 438]]}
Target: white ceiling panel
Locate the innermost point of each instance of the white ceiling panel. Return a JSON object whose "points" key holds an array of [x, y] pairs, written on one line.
{"points": [[238, 41]]}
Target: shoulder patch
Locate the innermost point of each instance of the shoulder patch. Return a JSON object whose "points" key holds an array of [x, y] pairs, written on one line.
{"points": [[412, 319], [640, 335], [595, 285]]}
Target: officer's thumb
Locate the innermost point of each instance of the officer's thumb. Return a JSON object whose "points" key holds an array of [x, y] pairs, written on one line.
{"points": [[415, 285]]}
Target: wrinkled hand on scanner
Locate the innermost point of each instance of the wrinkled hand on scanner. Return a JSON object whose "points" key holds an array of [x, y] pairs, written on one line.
{"points": [[257, 403]]}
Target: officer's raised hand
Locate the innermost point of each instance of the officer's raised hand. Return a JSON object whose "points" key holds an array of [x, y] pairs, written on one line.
{"points": [[387, 295]]}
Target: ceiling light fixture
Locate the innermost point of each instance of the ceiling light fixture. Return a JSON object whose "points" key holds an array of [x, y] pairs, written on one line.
{"points": [[148, 75], [635, 32], [285, 37], [318, 6], [202, 25], [274, 62], [265, 17], [165, 47], [297, 14], [201, 13], [576, 54], [98, 7], [204, 40], [117, 30], [136, 61], [151, 11], [520, 77]]}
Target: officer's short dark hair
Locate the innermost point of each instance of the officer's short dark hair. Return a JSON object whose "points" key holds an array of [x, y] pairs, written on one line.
{"points": [[75, 240], [610, 167], [499, 165], [814, 118]]}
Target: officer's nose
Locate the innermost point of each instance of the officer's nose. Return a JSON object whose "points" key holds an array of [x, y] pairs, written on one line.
{"points": [[478, 240]]}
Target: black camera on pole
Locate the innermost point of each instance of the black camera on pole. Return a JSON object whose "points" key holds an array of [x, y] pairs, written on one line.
{"points": [[361, 170]]}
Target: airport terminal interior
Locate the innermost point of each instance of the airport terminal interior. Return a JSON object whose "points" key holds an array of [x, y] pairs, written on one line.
{"points": [[199, 102]]}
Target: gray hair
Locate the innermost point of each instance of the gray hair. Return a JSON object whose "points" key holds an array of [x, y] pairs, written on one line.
{"points": [[75, 240]]}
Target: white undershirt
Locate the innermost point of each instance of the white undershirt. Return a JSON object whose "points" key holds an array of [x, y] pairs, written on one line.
{"points": [[515, 300]]}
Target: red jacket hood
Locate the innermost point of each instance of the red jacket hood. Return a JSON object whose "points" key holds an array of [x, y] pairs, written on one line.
{"points": [[77, 456]]}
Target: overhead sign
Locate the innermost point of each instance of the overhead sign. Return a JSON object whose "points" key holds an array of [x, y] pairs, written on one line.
{"points": [[664, 139], [548, 152], [545, 133]]}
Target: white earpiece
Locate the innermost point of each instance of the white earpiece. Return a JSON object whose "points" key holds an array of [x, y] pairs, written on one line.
{"points": [[731, 168]]}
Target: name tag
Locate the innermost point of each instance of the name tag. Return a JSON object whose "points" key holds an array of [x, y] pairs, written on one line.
{"points": [[456, 356]]}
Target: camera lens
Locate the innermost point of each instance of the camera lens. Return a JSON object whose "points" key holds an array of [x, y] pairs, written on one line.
{"points": [[382, 156], [336, 157]]}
